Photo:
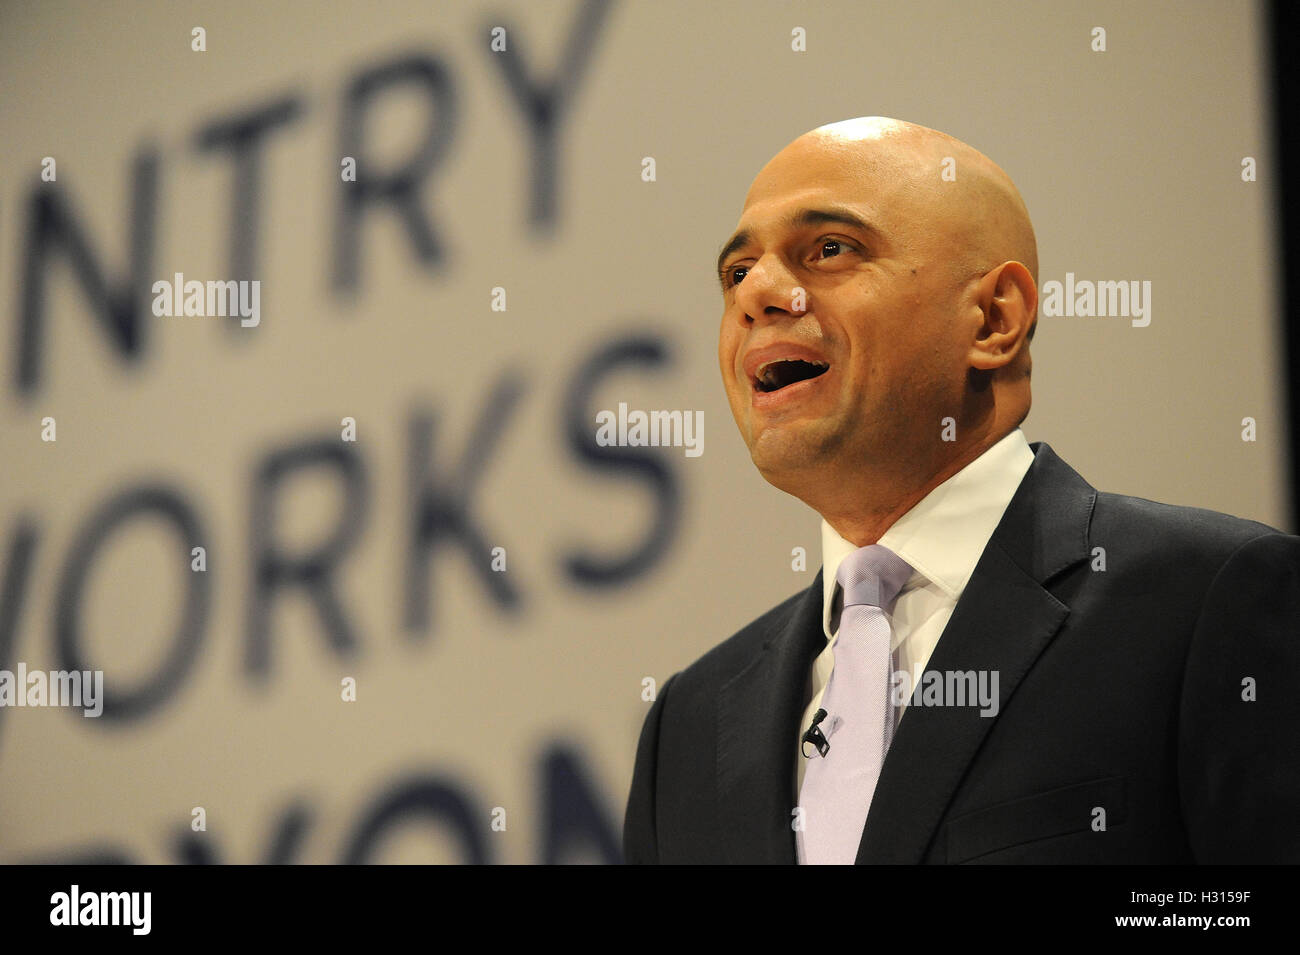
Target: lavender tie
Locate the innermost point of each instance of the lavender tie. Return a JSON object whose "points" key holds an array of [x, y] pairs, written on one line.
{"points": [[859, 725]]}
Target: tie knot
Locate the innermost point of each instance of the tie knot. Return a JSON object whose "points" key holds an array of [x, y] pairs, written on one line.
{"points": [[872, 575]]}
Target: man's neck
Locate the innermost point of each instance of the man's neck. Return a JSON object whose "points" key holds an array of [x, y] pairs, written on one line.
{"points": [[862, 507]]}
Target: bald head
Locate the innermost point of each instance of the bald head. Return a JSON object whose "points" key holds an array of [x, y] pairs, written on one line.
{"points": [[901, 263], [954, 187]]}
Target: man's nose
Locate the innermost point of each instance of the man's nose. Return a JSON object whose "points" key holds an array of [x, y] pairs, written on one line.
{"points": [[768, 291]]}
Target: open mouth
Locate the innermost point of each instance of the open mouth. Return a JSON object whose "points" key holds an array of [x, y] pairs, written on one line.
{"points": [[775, 375]]}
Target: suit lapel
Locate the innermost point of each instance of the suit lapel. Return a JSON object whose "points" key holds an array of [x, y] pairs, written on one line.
{"points": [[1003, 621], [759, 710]]}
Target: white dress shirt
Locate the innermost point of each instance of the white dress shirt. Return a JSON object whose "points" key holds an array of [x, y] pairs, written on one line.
{"points": [[942, 538]]}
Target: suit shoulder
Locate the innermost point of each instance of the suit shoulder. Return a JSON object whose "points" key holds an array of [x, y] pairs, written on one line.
{"points": [[739, 650], [1172, 530]]}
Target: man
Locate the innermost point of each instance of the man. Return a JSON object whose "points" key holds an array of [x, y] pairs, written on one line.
{"points": [[997, 662]]}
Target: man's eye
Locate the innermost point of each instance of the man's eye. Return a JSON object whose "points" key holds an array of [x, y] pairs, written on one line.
{"points": [[735, 274], [836, 244]]}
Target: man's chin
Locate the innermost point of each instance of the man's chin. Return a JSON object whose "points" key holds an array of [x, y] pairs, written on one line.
{"points": [[795, 457], [784, 463]]}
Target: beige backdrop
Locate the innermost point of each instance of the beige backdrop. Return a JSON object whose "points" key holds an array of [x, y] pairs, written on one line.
{"points": [[1129, 160]]}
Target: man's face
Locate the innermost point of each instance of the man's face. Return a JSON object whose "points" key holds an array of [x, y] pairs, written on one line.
{"points": [[881, 304]]}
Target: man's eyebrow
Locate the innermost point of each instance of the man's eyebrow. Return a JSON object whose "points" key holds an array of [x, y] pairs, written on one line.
{"points": [[801, 219]]}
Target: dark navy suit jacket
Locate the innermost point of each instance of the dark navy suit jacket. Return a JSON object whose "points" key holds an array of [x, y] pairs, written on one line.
{"points": [[1120, 689]]}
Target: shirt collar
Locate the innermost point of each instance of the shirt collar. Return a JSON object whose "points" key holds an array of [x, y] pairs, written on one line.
{"points": [[945, 533]]}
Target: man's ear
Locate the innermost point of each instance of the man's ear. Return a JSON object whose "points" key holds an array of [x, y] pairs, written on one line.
{"points": [[1007, 297]]}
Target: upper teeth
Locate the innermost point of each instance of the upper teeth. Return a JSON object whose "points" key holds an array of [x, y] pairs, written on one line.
{"points": [[765, 369]]}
